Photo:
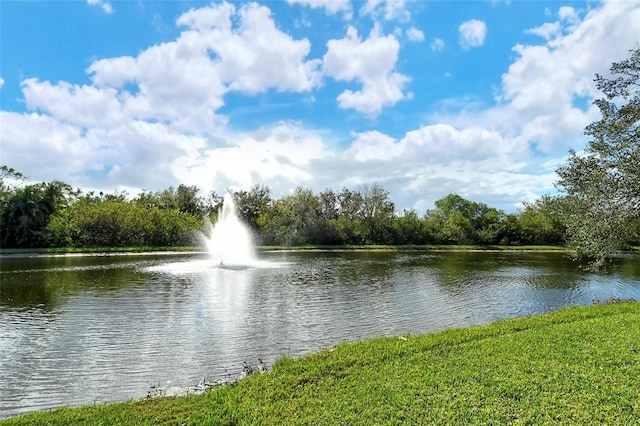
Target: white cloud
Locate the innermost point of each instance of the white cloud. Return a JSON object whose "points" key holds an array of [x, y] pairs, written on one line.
{"points": [[569, 16], [105, 5], [386, 9], [370, 62], [331, 6], [184, 82], [542, 95], [415, 34], [568, 22], [136, 154], [279, 154], [472, 33], [548, 30], [64, 101], [437, 44], [1, 82], [433, 161]]}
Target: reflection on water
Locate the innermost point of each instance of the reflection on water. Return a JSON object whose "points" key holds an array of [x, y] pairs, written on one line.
{"points": [[79, 330]]}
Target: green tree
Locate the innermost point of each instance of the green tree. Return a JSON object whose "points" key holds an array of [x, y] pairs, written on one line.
{"points": [[541, 222], [452, 220], [252, 204], [328, 231], [377, 213], [8, 178], [409, 228], [602, 185], [26, 212], [293, 219], [351, 229], [184, 198]]}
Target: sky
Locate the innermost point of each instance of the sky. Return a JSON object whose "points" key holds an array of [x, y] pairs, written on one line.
{"points": [[480, 98]]}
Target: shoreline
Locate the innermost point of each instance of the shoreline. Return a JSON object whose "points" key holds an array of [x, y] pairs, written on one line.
{"points": [[128, 251]]}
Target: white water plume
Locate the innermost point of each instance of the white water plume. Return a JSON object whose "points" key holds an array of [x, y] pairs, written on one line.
{"points": [[229, 241]]}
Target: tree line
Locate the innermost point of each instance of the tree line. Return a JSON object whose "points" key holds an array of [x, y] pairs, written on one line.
{"points": [[52, 214]]}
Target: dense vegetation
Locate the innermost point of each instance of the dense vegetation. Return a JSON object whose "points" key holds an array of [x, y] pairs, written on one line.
{"points": [[567, 367], [54, 215]]}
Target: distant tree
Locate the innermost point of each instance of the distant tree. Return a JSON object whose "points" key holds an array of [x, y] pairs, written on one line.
{"points": [[26, 213], [351, 229], [109, 221], [409, 228], [511, 230], [602, 184], [293, 219], [541, 222], [328, 229], [251, 204], [8, 178], [377, 213], [184, 198]]}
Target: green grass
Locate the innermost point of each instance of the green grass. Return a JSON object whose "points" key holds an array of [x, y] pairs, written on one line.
{"points": [[66, 250], [348, 247], [579, 365], [367, 247], [418, 247]]}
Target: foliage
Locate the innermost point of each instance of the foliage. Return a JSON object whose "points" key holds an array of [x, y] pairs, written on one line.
{"points": [[92, 222], [459, 221], [173, 217], [541, 222], [566, 367], [184, 198], [252, 205], [602, 185], [26, 212], [377, 212]]}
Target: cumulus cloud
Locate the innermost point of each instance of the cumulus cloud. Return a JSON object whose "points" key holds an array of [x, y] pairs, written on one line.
{"points": [[472, 33], [415, 34], [183, 83], [1, 82], [370, 62], [137, 153], [542, 97], [332, 7], [105, 5], [279, 154], [145, 119], [438, 159], [568, 22], [386, 9], [437, 44]]}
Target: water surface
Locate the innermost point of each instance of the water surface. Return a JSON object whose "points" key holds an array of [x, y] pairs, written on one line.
{"points": [[82, 330]]}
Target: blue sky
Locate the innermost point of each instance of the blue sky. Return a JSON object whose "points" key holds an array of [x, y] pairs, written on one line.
{"points": [[426, 98]]}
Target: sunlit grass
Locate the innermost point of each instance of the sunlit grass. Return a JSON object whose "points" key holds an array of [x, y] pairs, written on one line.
{"points": [[579, 365]]}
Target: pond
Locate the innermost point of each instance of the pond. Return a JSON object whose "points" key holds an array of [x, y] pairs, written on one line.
{"points": [[90, 329]]}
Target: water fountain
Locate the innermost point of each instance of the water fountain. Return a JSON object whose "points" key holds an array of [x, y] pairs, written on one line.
{"points": [[229, 242]]}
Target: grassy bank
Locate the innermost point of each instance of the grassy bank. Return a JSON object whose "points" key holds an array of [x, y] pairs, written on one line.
{"points": [[79, 250], [579, 365], [144, 249], [416, 247]]}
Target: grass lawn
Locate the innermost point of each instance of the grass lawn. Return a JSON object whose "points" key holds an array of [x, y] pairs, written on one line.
{"points": [[579, 365]]}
